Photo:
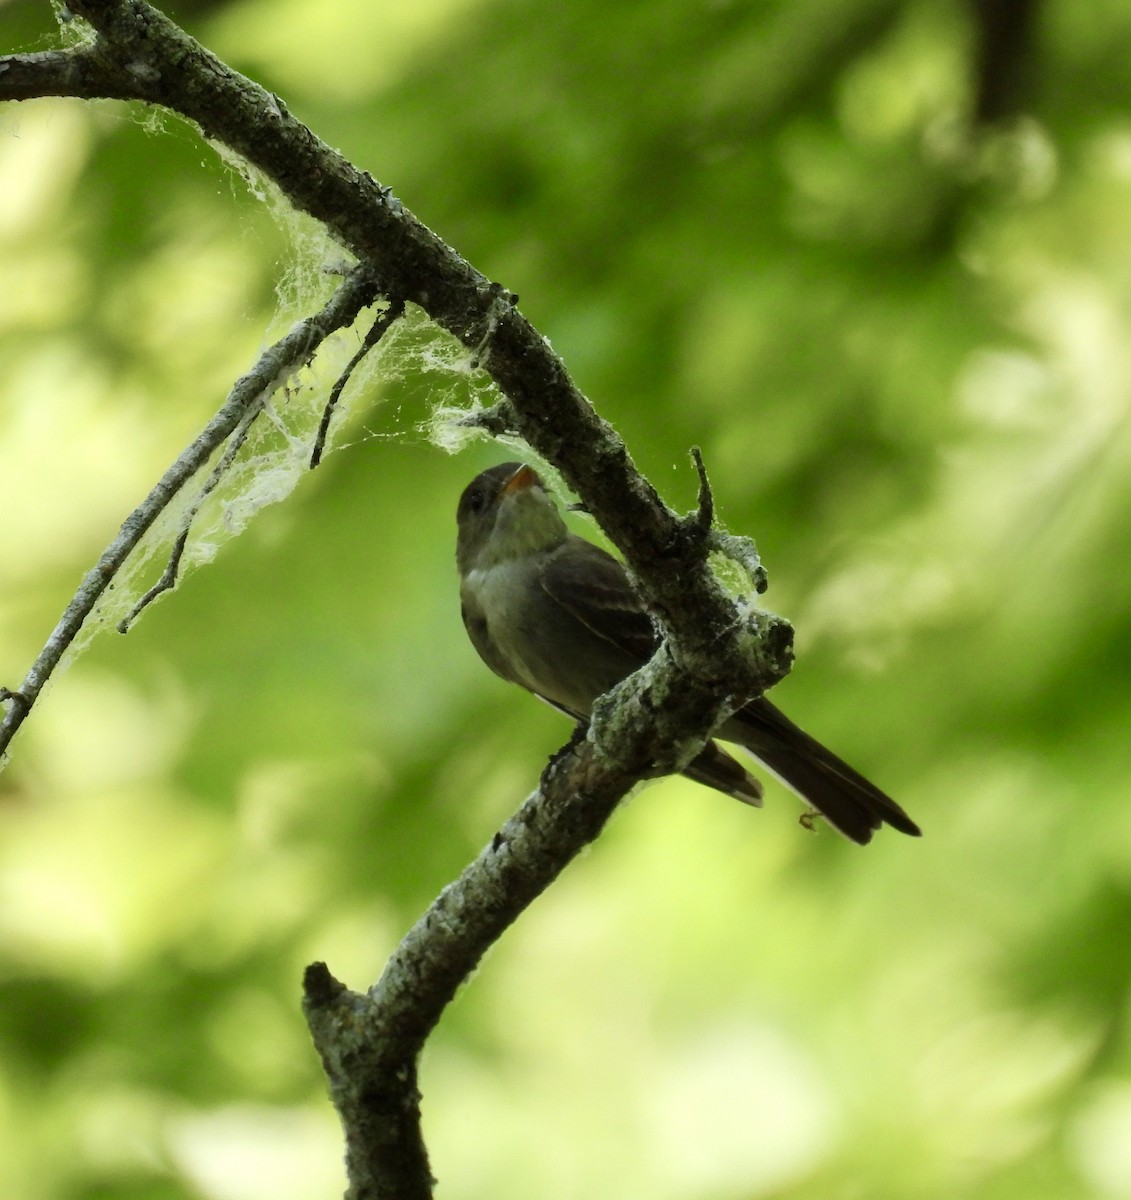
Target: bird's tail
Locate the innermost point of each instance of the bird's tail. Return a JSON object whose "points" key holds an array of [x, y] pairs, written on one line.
{"points": [[714, 767], [837, 791]]}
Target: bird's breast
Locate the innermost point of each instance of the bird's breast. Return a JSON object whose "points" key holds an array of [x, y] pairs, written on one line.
{"points": [[533, 641]]}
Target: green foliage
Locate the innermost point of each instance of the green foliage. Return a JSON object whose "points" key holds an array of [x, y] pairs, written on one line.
{"points": [[760, 228]]}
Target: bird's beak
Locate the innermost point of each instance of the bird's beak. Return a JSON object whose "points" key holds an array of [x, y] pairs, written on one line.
{"points": [[525, 477]]}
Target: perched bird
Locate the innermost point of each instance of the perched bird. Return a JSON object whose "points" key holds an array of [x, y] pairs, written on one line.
{"points": [[557, 615]]}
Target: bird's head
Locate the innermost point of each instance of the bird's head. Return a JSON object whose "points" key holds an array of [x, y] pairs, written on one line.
{"points": [[505, 513]]}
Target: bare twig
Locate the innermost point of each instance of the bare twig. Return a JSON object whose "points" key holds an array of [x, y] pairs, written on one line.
{"points": [[736, 547], [272, 370], [377, 331], [168, 578], [705, 509]]}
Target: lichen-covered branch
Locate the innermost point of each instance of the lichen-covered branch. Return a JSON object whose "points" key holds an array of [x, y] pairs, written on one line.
{"points": [[370, 1043]]}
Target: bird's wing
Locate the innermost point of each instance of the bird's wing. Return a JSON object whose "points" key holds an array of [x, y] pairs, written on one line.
{"points": [[594, 589]]}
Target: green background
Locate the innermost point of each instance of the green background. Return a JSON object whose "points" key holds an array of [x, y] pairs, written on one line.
{"points": [[762, 228]]}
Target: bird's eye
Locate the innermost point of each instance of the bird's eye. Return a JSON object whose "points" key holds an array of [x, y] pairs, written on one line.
{"points": [[475, 501]]}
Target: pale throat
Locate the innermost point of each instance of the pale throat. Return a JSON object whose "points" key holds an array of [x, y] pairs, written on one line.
{"points": [[528, 524]]}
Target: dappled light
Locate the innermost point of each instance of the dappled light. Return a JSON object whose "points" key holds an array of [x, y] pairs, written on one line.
{"points": [[904, 347]]}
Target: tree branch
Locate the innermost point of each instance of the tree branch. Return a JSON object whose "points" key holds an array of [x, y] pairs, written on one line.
{"points": [[139, 53], [78, 72], [716, 654], [369, 1044]]}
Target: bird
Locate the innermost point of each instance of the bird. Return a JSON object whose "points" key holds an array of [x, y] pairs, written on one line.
{"points": [[557, 615]]}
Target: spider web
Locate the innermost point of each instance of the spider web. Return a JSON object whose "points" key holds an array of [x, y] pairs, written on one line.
{"points": [[415, 363]]}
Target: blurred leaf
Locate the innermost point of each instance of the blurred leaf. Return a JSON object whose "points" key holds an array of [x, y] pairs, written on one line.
{"points": [[762, 229]]}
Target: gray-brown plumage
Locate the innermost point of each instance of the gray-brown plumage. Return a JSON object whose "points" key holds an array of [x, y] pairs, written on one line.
{"points": [[557, 615]]}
